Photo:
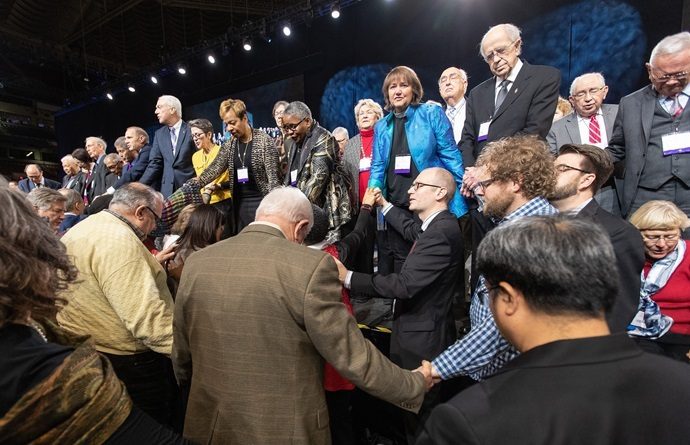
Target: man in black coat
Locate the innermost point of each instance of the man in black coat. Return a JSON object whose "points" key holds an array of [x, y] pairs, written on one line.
{"points": [[137, 141], [34, 178], [581, 170], [423, 323], [552, 280]]}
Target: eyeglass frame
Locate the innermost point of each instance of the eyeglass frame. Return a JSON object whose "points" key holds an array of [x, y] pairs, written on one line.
{"points": [[562, 168], [416, 185], [679, 76], [592, 91], [198, 136], [292, 127], [450, 77], [157, 218], [656, 238], [500, 51]]}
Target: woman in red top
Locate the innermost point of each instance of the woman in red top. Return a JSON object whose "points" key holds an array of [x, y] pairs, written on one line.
{"points": [[666, 275]]}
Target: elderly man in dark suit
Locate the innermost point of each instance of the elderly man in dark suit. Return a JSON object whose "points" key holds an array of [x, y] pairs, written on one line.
{"points": [[137, 141], [251, 343], [580, 171], [591, 122], [551, 281], [170, 162], [35, 179], [96, 182], [651, 134], [423, 322]]}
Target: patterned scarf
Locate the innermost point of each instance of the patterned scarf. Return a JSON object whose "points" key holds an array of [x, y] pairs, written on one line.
{"points": [[649, 321], [81, 402]]}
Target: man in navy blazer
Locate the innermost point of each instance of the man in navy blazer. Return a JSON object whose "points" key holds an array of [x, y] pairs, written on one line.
{"points": [[171, 165], [34, 178], [137, 141], [551, 281]]}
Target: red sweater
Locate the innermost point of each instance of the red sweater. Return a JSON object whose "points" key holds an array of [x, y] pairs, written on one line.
{"points": [[674, 298], [367, 143]]}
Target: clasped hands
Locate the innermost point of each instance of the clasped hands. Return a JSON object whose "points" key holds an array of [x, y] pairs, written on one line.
{"points": [[431, 375]]}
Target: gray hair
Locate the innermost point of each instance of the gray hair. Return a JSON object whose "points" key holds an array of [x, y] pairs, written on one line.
{"points": [[72, 196], [371, 104], [512, 31], [288, 203], [172, 102], [562, 265], [204, 125], [341, 130], [297, 109], [599, 76], [671, 44], [97, 140], [112, 157], [120, 142], [140, 132], [135, 194], [43, 197], [68, 158]]}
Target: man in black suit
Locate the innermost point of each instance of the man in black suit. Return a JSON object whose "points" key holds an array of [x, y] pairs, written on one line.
{"points": [[170, 162], [96, 182], [551, 281], [423, 323], [580, 172], [137, 141], [35, 179]]}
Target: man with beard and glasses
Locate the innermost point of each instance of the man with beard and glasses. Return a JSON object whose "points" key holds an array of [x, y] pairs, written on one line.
{"points": [[580, 172], [515, 175]]}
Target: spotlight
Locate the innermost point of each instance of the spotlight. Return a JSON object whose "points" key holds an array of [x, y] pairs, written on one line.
{"points": [[211, 59], [154, 79], [247, 44], [109, 96], [131, 88], [335, 10], [287, 30], [181, 70]]}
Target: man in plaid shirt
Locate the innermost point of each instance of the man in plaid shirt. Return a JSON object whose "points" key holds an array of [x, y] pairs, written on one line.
{"points": [[514, 176]]}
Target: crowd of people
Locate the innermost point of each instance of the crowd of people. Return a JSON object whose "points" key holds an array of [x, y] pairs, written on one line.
{"points": [[526, 261]]}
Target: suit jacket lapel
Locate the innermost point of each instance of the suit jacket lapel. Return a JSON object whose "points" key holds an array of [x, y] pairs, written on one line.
{"points": [[609, 113], [647, 114], [573, 128], [515, 90], [180, 136]]}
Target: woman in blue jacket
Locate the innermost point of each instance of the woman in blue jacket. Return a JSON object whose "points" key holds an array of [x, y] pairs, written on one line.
{"points": [[412, 137]]}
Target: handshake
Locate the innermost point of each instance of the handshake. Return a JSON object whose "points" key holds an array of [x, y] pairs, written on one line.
{"points": [[373, 197], [431, 375]]}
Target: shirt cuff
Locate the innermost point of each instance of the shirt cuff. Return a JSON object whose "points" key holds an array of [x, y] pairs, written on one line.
{"points": [[348, 280], [386, 208], [110, 190]]}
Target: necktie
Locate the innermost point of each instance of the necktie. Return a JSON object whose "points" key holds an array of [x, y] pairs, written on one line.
{"points": [[675, 108], [594, 131], [502, 93], [173, 139], [451, 112]]}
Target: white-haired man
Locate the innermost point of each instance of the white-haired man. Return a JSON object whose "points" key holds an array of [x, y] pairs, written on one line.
{"points": [[452, 85]]}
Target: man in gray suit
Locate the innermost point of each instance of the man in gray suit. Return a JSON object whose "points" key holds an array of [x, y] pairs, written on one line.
{"points": [[651, 134], [591, 123]]}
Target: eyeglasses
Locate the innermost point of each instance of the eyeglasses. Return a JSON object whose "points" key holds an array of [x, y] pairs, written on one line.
{"points": [[156, 217], [365, 112], [656, 238], [562, 168], [486, 183], [665, 77], [291, 127], [417, 185], [341, 140], [450, 78], [196, 136], [499, 51], [591, 92]]}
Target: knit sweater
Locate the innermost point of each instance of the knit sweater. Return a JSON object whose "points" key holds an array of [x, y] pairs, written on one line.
{"points": [[120, 298]]}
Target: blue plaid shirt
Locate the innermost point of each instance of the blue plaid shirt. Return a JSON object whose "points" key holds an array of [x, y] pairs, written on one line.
{"points": [[483, 350]]}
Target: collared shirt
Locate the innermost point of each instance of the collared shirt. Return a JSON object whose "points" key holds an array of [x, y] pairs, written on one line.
{"points": [[666, 101], [483, 350], [457, 118], [511, 78], [583, 126], [141, 235]]}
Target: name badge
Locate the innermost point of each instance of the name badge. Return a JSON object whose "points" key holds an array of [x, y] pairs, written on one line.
{"points": [[402, 164], [293, 178], [365, 164], [483, 131], [242, 175], [675, 143]]}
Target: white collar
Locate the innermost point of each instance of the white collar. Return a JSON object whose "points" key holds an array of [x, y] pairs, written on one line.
{"points": [[430, 218], [513, 74]]}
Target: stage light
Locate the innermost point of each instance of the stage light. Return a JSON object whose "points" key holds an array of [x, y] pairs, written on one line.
{"points": [[287, 30], [181, 70], [109, 96], [247, 44], [131, 89], [154, 80], [211, 59], [335, 10]]}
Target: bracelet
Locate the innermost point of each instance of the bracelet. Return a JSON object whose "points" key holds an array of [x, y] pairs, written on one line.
{"points": [[367, 207]]}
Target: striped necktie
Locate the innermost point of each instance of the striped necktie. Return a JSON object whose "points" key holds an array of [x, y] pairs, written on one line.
{"points": [[594, 130]]}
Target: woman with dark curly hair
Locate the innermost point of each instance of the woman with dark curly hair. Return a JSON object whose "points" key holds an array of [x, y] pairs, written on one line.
{"points": [[54, 386]]}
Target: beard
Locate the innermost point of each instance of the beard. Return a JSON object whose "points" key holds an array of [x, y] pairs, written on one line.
{"points": [[497, 208], [564, 191]]}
